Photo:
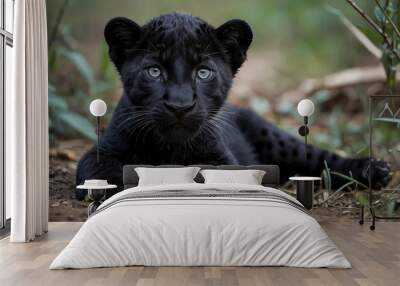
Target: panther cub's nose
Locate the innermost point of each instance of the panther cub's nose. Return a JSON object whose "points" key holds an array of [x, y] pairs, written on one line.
{"points": [[178, 109]]}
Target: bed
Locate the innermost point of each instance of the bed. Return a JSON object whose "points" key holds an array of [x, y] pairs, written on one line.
{"points": [[198, 224]]}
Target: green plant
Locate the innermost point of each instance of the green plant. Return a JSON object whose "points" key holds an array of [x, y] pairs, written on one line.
{"points": [[73, 83], [62, 121], [383, 30], [386, 203], [350, 184], [381, 36]]}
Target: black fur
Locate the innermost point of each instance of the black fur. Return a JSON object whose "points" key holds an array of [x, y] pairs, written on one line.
{"points": [[171, 113]]}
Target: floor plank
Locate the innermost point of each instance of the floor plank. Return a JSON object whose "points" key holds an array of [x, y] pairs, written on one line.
{"points": [[375, 257]]}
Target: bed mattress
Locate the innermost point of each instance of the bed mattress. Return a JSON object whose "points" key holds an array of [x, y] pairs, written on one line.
{"points": [[201, 225]]}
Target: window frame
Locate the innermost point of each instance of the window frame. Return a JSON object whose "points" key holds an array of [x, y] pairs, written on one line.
{"points": [[6, 39]]}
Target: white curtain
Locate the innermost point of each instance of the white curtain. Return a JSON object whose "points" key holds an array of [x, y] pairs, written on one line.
{"points": [[27, 124]]}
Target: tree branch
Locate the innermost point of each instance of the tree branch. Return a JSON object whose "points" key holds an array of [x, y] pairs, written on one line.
{"points": [[375, 27], [352, 77], [364, 40], [388, 17]]}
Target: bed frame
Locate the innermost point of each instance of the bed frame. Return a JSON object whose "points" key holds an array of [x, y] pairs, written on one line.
{"points": [[270, 179], [131, 178]]}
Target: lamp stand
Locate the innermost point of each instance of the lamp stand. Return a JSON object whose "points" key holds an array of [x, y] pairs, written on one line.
{"points": [[306, 130], [303, 131], [98, 139]]}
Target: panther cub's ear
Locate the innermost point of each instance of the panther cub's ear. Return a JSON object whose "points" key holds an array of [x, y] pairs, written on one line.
{"points": [[121, 34], [235, 36]]}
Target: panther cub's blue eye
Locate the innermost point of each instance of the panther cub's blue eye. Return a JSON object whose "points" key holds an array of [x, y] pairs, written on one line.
{"points": [[154, 72], [204, 73]]}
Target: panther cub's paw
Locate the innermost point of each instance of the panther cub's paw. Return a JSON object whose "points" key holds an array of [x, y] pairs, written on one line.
{"points": [[380, 172]]}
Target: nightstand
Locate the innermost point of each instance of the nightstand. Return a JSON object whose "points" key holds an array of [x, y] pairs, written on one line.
{"points": [[305, 190], [97, 194]]}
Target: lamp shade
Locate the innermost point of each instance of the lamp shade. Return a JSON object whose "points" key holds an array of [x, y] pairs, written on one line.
{"points": [[305, 107], [98, 107]]}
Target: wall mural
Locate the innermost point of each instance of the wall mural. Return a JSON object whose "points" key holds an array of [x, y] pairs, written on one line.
{"points": [[180, 90]]}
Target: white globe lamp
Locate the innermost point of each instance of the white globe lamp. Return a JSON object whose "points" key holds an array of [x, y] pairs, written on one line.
{"points": [[98, 108], [305, 108]]}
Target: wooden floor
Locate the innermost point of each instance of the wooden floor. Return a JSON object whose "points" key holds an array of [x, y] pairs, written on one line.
{"points": [[375, 257]]}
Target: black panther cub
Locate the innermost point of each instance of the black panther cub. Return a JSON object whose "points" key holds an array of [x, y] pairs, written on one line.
{"points": [[176, 72]]}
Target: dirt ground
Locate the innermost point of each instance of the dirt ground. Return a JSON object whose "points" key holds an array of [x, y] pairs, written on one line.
{"points": [[62, 170]]}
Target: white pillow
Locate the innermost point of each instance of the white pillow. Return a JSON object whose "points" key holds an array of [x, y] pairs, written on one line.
{"points": [[248, 177], [163, 176]]}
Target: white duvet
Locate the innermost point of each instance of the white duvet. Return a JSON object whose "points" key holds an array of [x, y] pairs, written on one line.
{"points": [[203, 231]]}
